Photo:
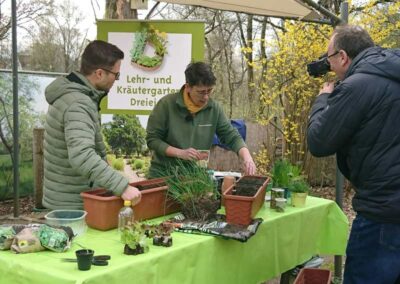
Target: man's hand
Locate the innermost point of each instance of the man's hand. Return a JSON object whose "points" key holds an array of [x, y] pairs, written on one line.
{"points": [[133, 194], [327, 88]]}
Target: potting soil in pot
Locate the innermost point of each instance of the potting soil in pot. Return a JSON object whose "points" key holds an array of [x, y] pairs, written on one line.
{"points": [[247, 186]]}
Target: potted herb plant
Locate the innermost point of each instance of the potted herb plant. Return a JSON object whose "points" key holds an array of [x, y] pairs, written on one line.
{"points": [[299, 189], [283, 172], [162, 235], [134, 237], [191, 186]]}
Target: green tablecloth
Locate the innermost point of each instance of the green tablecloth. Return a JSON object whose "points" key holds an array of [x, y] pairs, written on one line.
{"points": [[283, 240]]}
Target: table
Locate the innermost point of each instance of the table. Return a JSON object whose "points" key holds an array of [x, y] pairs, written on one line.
{"points": [[282, 241]]}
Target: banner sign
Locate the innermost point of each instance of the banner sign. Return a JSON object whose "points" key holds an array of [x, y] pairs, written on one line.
{"points": [[156, 56]]}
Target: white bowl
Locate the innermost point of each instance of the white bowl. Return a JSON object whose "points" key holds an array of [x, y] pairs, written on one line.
{"points": [[71, 218]]}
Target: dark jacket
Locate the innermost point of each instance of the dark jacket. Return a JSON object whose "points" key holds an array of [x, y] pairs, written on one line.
{"points": [[360, 122], [74, 151], [170, 124]]}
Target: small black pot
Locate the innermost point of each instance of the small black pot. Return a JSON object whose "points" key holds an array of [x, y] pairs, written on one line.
{"points": [[84, 257]]}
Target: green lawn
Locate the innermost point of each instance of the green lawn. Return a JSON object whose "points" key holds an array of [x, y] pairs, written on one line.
{"points": [[6, 178]]}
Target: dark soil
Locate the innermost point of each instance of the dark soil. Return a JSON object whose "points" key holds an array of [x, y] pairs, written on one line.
{"points": [[248, 186], [164, 241], [254, 181], [245, 190], [206, 208], [150, 186], [137, 250], [106, 194]]}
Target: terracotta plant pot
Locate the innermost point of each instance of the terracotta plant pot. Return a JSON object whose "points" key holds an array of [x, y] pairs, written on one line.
{"points": [[103, 207], [299, 199], [154, 201], [313, 275], [240, 210]]}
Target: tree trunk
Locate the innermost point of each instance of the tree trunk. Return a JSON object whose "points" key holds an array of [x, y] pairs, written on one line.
{"points": [[250, 70], [120, 9]]}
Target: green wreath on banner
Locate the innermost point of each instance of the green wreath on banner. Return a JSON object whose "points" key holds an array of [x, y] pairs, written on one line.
{"points": [[153, 37]]}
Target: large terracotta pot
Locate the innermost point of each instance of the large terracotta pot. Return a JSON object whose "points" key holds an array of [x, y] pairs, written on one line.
{"points": [[240, 210]]}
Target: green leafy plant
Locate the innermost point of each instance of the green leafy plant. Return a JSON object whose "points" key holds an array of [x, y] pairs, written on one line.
{"points": [[299, 186], [134, 235], [284, 173], [192, 187]]}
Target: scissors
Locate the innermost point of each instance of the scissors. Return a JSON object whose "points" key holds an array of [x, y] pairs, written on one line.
{"points": [[99, 260]]}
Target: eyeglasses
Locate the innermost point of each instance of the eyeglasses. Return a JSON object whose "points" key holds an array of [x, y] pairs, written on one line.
{"points": [[333, 54], [116, 74], [204, 92]]}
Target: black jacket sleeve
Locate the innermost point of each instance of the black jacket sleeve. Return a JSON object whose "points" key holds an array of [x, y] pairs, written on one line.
{"points": [[334, 119]]}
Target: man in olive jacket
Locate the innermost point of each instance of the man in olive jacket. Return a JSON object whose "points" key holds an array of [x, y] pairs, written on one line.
{"points": [[359, 121], [184, 123], [74, 151]]}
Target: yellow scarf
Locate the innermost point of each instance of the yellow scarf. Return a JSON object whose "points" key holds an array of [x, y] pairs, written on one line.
{"points": [[189, 103]]}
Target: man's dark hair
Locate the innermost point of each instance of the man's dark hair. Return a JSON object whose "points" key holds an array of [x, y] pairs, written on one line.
{"points": [[99, 54], [352, 39], [199, 73]]}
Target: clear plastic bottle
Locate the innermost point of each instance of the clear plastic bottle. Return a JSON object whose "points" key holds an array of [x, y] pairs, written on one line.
{"points": [[213, 178], [125, 215]]}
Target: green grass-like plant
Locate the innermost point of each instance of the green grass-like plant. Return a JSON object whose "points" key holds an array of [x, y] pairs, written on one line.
{"points": [[284, 173], [190, 185]]}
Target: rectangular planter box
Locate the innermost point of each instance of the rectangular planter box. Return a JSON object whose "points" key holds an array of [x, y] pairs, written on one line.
{"points": [[313, 276], [103, 207], [154, 201], [241, 210]]}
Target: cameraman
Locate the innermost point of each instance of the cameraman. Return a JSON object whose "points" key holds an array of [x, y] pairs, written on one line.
{"points": [[358, 120]]}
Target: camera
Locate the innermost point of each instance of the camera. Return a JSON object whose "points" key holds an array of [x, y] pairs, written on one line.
{"points": [[319, 67]]}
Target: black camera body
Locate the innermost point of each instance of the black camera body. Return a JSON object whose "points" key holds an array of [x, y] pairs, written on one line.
{"points": [[319, 67]]}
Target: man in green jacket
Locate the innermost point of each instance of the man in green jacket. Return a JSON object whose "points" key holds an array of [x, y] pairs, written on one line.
{"points": [[184, 123], [74, 151]]}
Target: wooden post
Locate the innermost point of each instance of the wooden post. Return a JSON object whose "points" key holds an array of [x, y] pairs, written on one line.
{"points": [[38, 167]]}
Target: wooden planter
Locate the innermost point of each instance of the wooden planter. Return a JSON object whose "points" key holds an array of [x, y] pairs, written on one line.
{"points": [[240, 210], [103, 207]]}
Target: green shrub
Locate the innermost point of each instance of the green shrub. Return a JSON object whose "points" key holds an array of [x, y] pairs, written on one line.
{"points": [[111, 158], [138, 164], [283, 173], [118, 164]]}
